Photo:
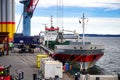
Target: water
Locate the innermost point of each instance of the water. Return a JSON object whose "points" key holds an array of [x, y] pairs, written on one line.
{"points": [[110, 62]]}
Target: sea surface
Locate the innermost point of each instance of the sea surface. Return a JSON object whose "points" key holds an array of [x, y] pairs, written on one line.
{"points": [[109, 63]]}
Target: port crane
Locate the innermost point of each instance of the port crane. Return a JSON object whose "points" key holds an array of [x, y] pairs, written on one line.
{"points": [[28, 10], [25, 40]]}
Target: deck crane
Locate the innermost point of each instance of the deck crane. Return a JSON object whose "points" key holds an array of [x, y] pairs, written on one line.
{"points": [[29, 7]]}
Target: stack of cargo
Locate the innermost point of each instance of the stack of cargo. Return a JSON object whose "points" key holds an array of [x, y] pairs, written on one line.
{"points": [[51, 69], [43, 60], [38, 59], [7, 17]]}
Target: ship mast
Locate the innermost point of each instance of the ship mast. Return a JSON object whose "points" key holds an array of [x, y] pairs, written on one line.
{"points": [[51, 21], [83, 26]]}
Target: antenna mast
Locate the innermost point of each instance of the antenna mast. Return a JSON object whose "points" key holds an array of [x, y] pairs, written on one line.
{"points": [[51, 21], [83, 26]]}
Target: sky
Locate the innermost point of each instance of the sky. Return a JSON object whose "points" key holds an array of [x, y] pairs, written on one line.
{"points": [[102, 16]]}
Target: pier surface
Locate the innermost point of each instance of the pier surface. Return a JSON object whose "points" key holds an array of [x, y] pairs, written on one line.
{"points": [[20, 62], [24, 62]]}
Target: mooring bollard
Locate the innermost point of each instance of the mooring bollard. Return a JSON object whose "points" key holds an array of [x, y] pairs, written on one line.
{"points": [[21, 75], [76, 76], [34, 76], [118, 76], [97, 78]]}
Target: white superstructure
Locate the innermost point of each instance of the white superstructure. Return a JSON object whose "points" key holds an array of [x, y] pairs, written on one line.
{"points": [[51, 34]]}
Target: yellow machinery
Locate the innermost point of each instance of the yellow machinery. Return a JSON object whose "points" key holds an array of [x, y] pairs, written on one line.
{"points": [[38, 57], [7, 17]]}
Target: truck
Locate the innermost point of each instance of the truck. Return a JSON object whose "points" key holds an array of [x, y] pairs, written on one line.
{"points": [[19, 38], [26, 43]]}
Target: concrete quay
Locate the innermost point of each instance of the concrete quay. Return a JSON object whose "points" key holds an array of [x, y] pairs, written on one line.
{"points": [[25, 62]]}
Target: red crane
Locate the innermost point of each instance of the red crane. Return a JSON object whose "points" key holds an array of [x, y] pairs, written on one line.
{"points": [[32, 5]]}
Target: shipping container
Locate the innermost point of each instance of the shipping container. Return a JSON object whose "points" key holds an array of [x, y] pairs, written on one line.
{"points": [[42, 60], [52, 69]]}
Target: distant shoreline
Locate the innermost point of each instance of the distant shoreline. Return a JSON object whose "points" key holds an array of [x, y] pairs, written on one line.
{"points": [[101, 35], [98, 35]]}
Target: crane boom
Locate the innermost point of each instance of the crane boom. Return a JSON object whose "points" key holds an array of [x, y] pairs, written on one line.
{"points": [[29, 7], [32, 5]]}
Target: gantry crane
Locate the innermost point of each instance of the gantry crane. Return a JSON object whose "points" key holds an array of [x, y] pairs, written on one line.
{"points": [[29, 7]]}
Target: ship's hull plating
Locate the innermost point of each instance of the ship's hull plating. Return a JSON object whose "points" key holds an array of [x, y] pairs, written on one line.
{"points": [[86, 61], [78, 58], [86, 56]]}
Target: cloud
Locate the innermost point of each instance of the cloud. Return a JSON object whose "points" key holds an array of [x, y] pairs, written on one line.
{"points": [[103, 25], [95, 25], [109, 4]]}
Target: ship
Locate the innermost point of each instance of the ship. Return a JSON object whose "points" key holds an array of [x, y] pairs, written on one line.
{"points": [[64, 50]]}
